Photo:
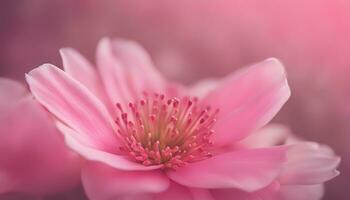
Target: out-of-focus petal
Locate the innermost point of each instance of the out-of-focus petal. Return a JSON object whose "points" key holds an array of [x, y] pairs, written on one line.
{"points": [[270, 135], [248, 170], [203, 87], [33, 157], [201, 194], [72, 103], [273, 192], [270, 192], [309, 163], [102, 182], [92, 154], [248, 100], [302, 192], [176, 191]]}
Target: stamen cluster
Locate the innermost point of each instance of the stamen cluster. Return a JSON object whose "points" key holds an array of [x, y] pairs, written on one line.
{"points": [[166, 131]]}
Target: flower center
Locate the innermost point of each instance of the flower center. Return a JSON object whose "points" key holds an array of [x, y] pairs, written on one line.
{"points": [[166, 131]]}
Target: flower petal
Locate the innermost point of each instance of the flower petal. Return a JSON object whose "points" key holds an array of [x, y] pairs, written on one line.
{"points": [[72, 103], [126, 70], [176, 191], [81, 70], [271, 192], [137, 60], [102, 182], [268, 136], [203, 87], [113, 160], [248, 100], [113, 73], [33, 156], [302, 192], [309, 163], [248, 170]]}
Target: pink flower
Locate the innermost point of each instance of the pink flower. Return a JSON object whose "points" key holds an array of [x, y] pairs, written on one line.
{"points": [[146, 138], [33, 157]]}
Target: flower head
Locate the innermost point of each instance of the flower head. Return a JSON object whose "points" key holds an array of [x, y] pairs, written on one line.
{"points": [[168, 141]]}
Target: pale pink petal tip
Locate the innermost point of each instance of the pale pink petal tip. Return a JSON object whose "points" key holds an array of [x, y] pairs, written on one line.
{"points": [[248, 100], [310, 163], [72, 103]]}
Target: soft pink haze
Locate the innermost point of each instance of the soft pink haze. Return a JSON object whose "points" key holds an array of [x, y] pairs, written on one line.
{"points": [[192, 40]]}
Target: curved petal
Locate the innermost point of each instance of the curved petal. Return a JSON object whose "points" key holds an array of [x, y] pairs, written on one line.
{"points": [[176, 191], [102, 182], [137, 60], [33, 156], [113, 73], [126, 70], [113, 160], [82, 70], [309, 163], [248, 100], [201, 194], [302, 192], [72, 103], [248, 170], [268, 136], [271, 192], [203, 87]]}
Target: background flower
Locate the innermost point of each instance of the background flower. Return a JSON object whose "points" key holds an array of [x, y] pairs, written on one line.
{"points": [[207, 39], [308, 165], [33, 157]]}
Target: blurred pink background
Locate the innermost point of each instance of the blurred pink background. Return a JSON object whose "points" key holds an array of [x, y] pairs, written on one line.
{"points": [[191, 40]]}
